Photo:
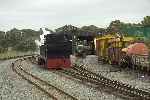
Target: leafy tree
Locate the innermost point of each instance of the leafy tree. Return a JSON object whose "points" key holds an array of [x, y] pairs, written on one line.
{"points": [[29, 33], [2, 34], [13, 37], [116, 26], [146, 21], [67, 29], [31, 45], [27, 45], [3, 42], [20, 40], [91, 29]]}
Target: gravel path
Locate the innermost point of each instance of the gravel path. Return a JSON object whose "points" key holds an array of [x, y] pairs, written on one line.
{"points": [[125, 75], [13, 87], [69, 85]]}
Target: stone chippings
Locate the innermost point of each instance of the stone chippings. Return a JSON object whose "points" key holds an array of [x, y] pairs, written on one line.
{"points": [[13, 87], [69, 85], [128, 76]]}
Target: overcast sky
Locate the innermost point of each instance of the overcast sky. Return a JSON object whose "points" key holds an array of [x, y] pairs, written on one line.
{"points": [[55, 13]]}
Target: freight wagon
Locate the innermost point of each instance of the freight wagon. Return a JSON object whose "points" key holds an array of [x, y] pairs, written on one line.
{"points": [[110, 48], [137, 56]]}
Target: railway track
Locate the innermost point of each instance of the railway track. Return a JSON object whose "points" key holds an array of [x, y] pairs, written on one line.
{"points": [[52, 91], [124, 90], [121, 89]]}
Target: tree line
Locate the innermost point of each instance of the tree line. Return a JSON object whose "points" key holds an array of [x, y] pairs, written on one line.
{"points": [[115, 26], [18, 40], [24, 40]]}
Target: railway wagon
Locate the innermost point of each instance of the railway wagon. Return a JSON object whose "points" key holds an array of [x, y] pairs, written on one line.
{"points": [[108, 47], [137, 56], [55, 53], [123, 51]]}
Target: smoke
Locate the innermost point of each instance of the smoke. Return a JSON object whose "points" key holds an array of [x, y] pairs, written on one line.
{"points": [[42, 39], [38, 43]]}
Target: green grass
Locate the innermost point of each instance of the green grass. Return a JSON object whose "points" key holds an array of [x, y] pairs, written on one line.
{"points": [[13, 54]]}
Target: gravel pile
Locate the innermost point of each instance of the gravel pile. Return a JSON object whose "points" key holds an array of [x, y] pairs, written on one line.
{"points": [[124, 75], [13, 87], [70, 85]]}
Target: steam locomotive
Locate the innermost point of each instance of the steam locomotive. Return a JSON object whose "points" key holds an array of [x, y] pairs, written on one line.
{"points": [[56, 51]]}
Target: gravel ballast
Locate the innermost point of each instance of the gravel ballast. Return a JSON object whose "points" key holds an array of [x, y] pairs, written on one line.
{"points": [[132, 77], [13, 87], [69, 85]]}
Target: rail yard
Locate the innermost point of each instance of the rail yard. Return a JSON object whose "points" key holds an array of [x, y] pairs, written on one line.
{"points": [[74, 50], [108, 66], [72, 63], [72, 84]]}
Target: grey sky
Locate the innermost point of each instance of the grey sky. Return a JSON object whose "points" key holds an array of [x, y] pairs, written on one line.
{"points": [[55, 13]]}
